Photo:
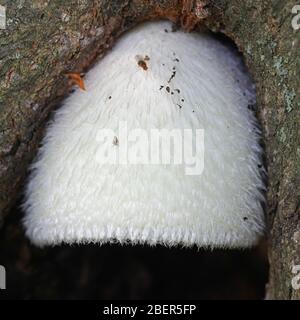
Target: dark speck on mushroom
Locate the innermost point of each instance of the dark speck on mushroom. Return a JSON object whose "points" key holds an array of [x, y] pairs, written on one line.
{"points": [[161, 87], [172, 76], [175, 27], [168, 89], [115, 141], [143, 64]]}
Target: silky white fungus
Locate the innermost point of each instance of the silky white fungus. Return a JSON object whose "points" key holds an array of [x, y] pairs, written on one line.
{"points": [[152, 79]]}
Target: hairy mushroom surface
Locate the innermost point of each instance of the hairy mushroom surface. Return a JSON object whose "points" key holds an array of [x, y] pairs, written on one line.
{"points": [[171, 83]]}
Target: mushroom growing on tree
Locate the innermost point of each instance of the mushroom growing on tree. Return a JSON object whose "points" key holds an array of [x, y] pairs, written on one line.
{"points": [[192, 90], [63, 38]]}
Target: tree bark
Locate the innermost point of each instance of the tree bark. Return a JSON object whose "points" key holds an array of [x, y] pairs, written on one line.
{"points": [[44, 40]]}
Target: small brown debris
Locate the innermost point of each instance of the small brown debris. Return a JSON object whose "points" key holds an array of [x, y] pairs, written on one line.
{"points": [[141, 61], [161, 87], [143, 64], [76, 78], [177, 90], [168, 89]]}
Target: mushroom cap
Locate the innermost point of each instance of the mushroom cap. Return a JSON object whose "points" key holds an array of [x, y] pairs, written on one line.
{"points": [[152, 79]]}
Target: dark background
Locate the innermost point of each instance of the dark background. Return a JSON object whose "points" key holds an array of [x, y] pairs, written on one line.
{"points": [[127, 272]]}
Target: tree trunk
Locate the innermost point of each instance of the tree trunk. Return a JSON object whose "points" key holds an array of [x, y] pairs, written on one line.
{"points": [[45, 39]]}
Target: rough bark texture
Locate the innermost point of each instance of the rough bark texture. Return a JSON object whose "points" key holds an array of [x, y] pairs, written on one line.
{"points": [[46, 39]]}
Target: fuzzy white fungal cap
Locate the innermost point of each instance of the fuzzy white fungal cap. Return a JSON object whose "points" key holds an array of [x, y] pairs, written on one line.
{"points": [[163, 80]]}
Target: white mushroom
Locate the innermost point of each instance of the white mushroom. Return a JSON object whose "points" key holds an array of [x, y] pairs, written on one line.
{"points": [[152, 79]]}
